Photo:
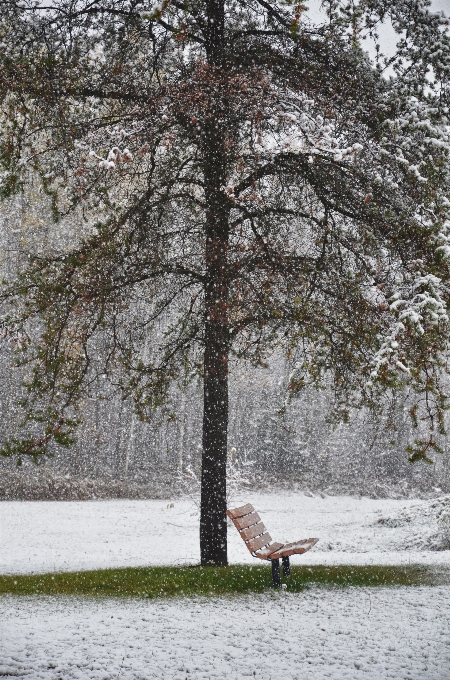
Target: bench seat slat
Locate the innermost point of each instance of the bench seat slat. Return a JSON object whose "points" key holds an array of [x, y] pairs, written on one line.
{"points": [[247, 521], [259, 542], [296, 548], [253, 531], [240, 512], [265, 553]]}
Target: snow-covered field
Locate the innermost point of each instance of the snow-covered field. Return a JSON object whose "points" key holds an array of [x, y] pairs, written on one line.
{"points": [[352, 633], [67, 536], [372, 634]]}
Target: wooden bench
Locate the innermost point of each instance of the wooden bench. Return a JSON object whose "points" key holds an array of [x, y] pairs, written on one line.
{"points": [[259, 541]]}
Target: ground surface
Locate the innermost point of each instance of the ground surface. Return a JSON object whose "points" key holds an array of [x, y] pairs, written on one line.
{"points": [[367, 633], [372, 634]]}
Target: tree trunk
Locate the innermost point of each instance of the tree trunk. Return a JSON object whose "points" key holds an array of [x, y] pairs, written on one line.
{"points": [[213, 526]]}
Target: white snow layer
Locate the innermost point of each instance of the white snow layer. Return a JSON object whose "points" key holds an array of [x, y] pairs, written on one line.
{"points": [[67, 536], [333, 634], [319, 634]]}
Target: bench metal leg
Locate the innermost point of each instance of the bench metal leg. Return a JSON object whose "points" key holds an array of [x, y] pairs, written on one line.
{"points": [[286, 566], [276, 573]]}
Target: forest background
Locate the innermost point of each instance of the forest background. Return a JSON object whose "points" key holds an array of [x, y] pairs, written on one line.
{"points": [[117, 455]]}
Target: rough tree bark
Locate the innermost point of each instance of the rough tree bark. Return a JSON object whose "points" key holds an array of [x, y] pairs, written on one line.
{"points": [[213, 528]]}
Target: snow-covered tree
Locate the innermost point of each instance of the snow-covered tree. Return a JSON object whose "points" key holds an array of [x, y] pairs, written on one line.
{"points": [[247, 179]]}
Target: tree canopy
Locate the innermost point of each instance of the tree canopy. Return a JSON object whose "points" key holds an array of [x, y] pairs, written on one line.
{"points": [[248, 179]]}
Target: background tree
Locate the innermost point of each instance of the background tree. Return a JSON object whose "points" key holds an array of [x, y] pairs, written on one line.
{"points": [[246, 180]]}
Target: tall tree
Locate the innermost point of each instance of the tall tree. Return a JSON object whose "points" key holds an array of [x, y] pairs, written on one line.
{"points": [[242, 179]]}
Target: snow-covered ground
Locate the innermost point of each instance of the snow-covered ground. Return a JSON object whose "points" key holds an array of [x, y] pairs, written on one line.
{"points": [[372, 634], [320, 634], [67, 536]]}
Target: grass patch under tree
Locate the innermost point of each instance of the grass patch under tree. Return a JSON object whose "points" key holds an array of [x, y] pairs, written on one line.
{"points": [[152, 582]]}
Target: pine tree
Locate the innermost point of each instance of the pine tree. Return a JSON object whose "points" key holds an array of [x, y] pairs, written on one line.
{"points": [[241, 179]]}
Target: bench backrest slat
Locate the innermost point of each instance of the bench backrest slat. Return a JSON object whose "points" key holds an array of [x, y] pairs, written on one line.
{"points": [[253, 531], [259, 542], [240, 512], [246, 521], [250, 527]]}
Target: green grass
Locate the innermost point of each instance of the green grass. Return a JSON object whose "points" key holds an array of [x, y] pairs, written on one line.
{"points": [[152, 582]]}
